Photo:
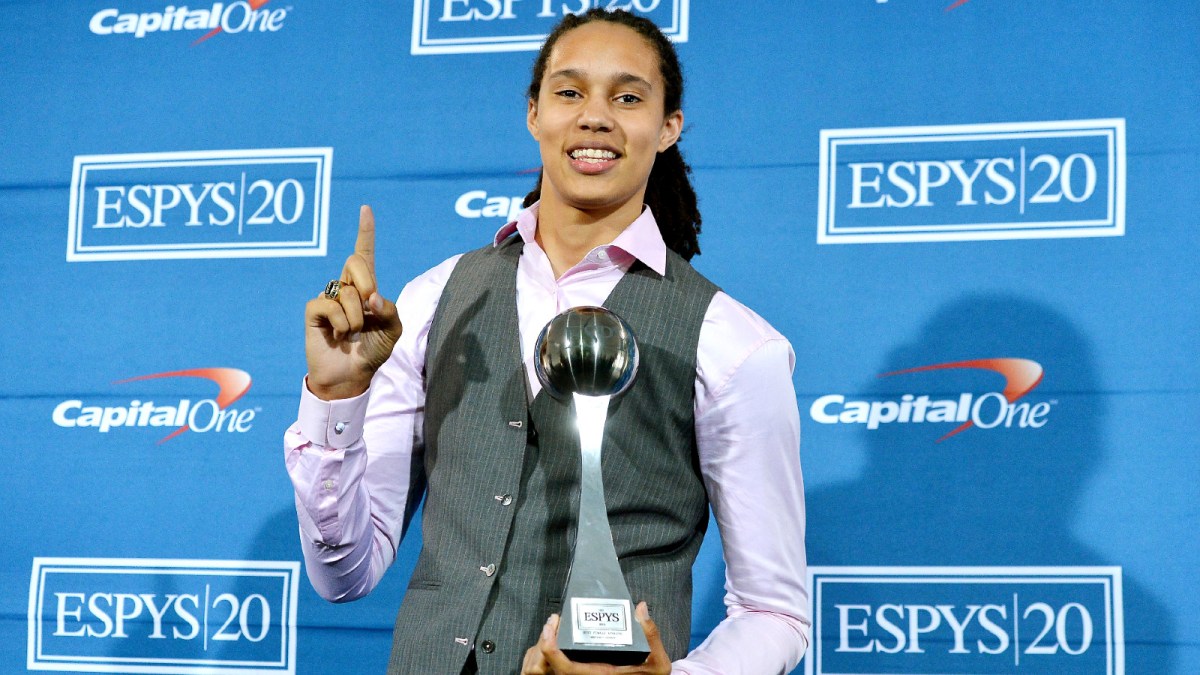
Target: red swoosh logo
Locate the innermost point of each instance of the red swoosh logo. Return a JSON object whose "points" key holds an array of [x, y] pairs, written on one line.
{"points": [[232, 384], [254, 4], [958, 3], [1021, 376]]}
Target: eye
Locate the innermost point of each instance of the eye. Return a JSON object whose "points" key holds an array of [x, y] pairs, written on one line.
{"points": [[568, 93], [628, 99]]}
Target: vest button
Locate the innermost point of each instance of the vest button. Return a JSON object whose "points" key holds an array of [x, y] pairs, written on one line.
{"points": [[504, 499], [489, 570], [488, 646]]}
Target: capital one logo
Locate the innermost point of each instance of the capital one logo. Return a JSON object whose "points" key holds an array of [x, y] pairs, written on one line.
{"points": [[969, 620], [236, 17], [479, 204], [202, 416], [987, 411], [200, 204], [1027, 180], [470, 26], [162, 616]]}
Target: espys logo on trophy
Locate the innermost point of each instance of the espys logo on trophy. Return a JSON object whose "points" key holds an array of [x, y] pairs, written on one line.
{"points": [[589, 355]]}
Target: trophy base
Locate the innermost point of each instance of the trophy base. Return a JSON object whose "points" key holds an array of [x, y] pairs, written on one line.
{"points": [[613, 656], [601, 629]]}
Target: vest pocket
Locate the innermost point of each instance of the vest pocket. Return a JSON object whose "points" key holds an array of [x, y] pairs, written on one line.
{"points": [[425, 575]]}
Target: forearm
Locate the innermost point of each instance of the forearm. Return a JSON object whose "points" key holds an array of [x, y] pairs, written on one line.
{"points": [[749, 642], [350, 500], [344, 555]]}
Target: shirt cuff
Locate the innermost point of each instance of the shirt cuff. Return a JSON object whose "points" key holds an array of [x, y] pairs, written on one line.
{"points": [[335, 424]]}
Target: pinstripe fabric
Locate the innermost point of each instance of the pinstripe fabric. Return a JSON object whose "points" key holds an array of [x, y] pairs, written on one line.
{"points": [[483, 441]]}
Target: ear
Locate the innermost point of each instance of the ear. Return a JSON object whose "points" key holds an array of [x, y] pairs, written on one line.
{"points": [[531, 120], [671, 128]]}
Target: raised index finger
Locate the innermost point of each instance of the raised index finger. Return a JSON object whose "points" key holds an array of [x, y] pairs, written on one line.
{"points": [[365, 244]]}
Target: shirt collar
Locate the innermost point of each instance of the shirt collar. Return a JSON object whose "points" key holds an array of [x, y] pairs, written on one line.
{"points": [[641, 239]]}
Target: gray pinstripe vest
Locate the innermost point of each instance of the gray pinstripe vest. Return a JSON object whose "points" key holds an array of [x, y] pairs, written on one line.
{"points": [[503, 474]]}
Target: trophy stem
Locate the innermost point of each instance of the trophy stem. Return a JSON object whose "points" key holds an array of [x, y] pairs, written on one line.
{"points": [[593, 539], [590, 414], [598, 623]]}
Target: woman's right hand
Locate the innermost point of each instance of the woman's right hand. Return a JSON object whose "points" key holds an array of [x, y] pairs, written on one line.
{"points": [[348, 338]]}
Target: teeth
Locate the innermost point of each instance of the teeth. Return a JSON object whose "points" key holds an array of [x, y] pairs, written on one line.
{"points": [[593, 153]]}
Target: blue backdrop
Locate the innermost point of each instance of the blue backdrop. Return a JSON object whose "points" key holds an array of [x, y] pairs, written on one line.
{"points": [[965, 216]]}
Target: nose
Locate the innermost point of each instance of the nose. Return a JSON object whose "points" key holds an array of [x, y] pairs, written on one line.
{"points": [[595, 115]]}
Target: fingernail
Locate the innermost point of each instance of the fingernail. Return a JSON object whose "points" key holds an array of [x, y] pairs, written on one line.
{"points": [[375, 302], [547, 630], [642, 611]]}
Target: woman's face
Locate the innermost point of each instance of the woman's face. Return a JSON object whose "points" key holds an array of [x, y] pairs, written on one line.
{"points": [[599, 120]]}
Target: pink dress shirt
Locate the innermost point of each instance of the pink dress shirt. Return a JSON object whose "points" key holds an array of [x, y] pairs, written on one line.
{"points": [[350, 460]]}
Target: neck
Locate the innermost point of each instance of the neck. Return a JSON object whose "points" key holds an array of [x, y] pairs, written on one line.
{"points": [[567, 234]]}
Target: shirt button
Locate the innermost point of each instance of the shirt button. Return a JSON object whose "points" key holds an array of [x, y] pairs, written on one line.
{"points": [[602, 255], [328, 485], [504, 500], [489, 570], [488, 646], [339, 427]]}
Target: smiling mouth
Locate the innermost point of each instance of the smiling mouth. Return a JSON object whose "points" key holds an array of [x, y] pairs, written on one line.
{"points": [[592, 155]]}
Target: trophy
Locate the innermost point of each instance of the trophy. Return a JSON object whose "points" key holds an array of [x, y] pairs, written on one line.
{"points": [[589, 355]]}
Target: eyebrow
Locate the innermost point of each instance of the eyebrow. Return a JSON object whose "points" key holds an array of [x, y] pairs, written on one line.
{"points": [[621, 78]]}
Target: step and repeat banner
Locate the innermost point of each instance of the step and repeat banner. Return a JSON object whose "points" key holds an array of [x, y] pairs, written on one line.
{"points": [[973, 220]]}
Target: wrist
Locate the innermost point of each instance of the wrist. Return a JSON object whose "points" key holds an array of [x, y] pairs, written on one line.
{"points": [[337, 391]]}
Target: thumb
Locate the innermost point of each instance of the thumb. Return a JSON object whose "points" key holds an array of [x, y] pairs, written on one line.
{"points": [[658, 659], [387, 314], [642, 612]]}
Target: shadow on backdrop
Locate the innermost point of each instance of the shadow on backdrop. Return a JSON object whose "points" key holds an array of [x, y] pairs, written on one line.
{"points": [[984, 497]]}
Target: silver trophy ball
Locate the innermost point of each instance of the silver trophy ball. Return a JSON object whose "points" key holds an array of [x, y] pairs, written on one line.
{"points": [[586, 350]]}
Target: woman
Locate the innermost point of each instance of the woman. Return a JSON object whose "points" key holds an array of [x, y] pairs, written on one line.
{"points": [[434, 397]]}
